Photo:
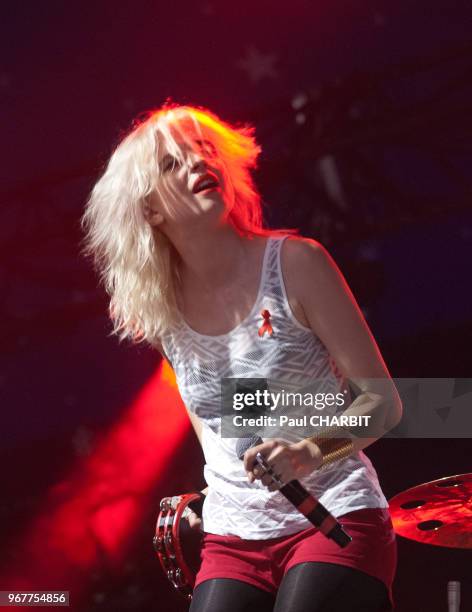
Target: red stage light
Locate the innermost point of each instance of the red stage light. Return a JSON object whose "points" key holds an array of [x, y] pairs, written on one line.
{"points": [[90, 516]]}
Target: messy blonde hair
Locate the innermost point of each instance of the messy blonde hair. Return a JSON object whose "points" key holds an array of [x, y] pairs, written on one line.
{"points": [[138, 266]]}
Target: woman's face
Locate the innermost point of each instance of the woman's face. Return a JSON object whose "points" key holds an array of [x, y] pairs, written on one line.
{"points": [[197, 189]]}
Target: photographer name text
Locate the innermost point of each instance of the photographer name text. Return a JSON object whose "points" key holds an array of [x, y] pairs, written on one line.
{"points": [[314, 420]]}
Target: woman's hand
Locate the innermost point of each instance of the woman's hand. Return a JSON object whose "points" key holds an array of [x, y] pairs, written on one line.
{"points": [[194, 520], [288, 461]]}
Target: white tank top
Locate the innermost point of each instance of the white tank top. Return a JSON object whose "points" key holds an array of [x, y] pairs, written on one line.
{"points": [[293, 351]]}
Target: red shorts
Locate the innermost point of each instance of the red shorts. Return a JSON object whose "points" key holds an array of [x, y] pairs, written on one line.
{"points": [[263, 563]]}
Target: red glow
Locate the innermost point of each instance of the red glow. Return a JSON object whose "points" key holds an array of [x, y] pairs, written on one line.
{"points": [[91, 515]]}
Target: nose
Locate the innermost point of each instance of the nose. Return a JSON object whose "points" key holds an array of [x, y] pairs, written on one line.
{"points": [[196, 161]]}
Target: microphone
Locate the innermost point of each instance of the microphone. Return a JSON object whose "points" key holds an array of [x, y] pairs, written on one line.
{"points": [[304, 501]]}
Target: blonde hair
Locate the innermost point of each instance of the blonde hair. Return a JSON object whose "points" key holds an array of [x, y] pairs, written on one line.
{"points": [[138, 266]]}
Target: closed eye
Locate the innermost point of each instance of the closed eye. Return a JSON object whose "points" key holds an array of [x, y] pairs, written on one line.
{"points": [[206, 147], [170, 163]]}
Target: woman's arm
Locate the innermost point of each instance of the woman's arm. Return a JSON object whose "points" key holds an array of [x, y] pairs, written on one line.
{"points": [[197, 426], [322, 300], [194, 520], [194, 420], [335, 317]]}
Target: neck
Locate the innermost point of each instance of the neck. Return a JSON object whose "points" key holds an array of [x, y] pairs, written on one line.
{"points": [[209, 256]]}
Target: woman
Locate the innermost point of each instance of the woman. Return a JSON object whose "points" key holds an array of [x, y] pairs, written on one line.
{"points": [[175, 227]]}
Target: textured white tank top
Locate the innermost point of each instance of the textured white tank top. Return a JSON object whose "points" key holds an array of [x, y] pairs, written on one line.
{"points": [[293, 352]]}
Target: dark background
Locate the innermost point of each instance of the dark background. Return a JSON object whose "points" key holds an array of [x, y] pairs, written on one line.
{"points": [[363, 112]]}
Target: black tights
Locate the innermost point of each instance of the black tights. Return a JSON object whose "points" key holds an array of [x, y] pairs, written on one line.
{"points": [[306, 587]]}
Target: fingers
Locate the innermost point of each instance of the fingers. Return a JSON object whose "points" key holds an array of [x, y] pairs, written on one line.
{"points": [[272, 481], [194, 520], [274, 453], [267, 475], [250, 455], [266, 480], [258, 471], [255, 475], [252, 466]]}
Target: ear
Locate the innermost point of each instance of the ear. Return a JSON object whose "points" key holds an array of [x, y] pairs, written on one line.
{"points": [[153, 217]]}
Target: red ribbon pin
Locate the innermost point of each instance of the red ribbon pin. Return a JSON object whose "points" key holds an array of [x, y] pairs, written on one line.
{"points": [[266, 326]]}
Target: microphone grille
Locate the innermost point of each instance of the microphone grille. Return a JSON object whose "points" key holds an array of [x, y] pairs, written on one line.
{"points": [[244, 444]]}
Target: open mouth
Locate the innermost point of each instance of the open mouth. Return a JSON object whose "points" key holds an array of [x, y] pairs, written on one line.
{"points": [[207, 189], [205, 183]]}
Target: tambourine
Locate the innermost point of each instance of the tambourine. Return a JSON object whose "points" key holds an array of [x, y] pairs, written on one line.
{"points": [[178, 545]]}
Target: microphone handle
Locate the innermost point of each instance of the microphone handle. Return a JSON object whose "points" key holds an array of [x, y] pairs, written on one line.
{"points": [[453, 595], [315, 512]]}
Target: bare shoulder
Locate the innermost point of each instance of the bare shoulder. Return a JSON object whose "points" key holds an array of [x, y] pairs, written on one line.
{"points": [[304, 258], [298, 259]]}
